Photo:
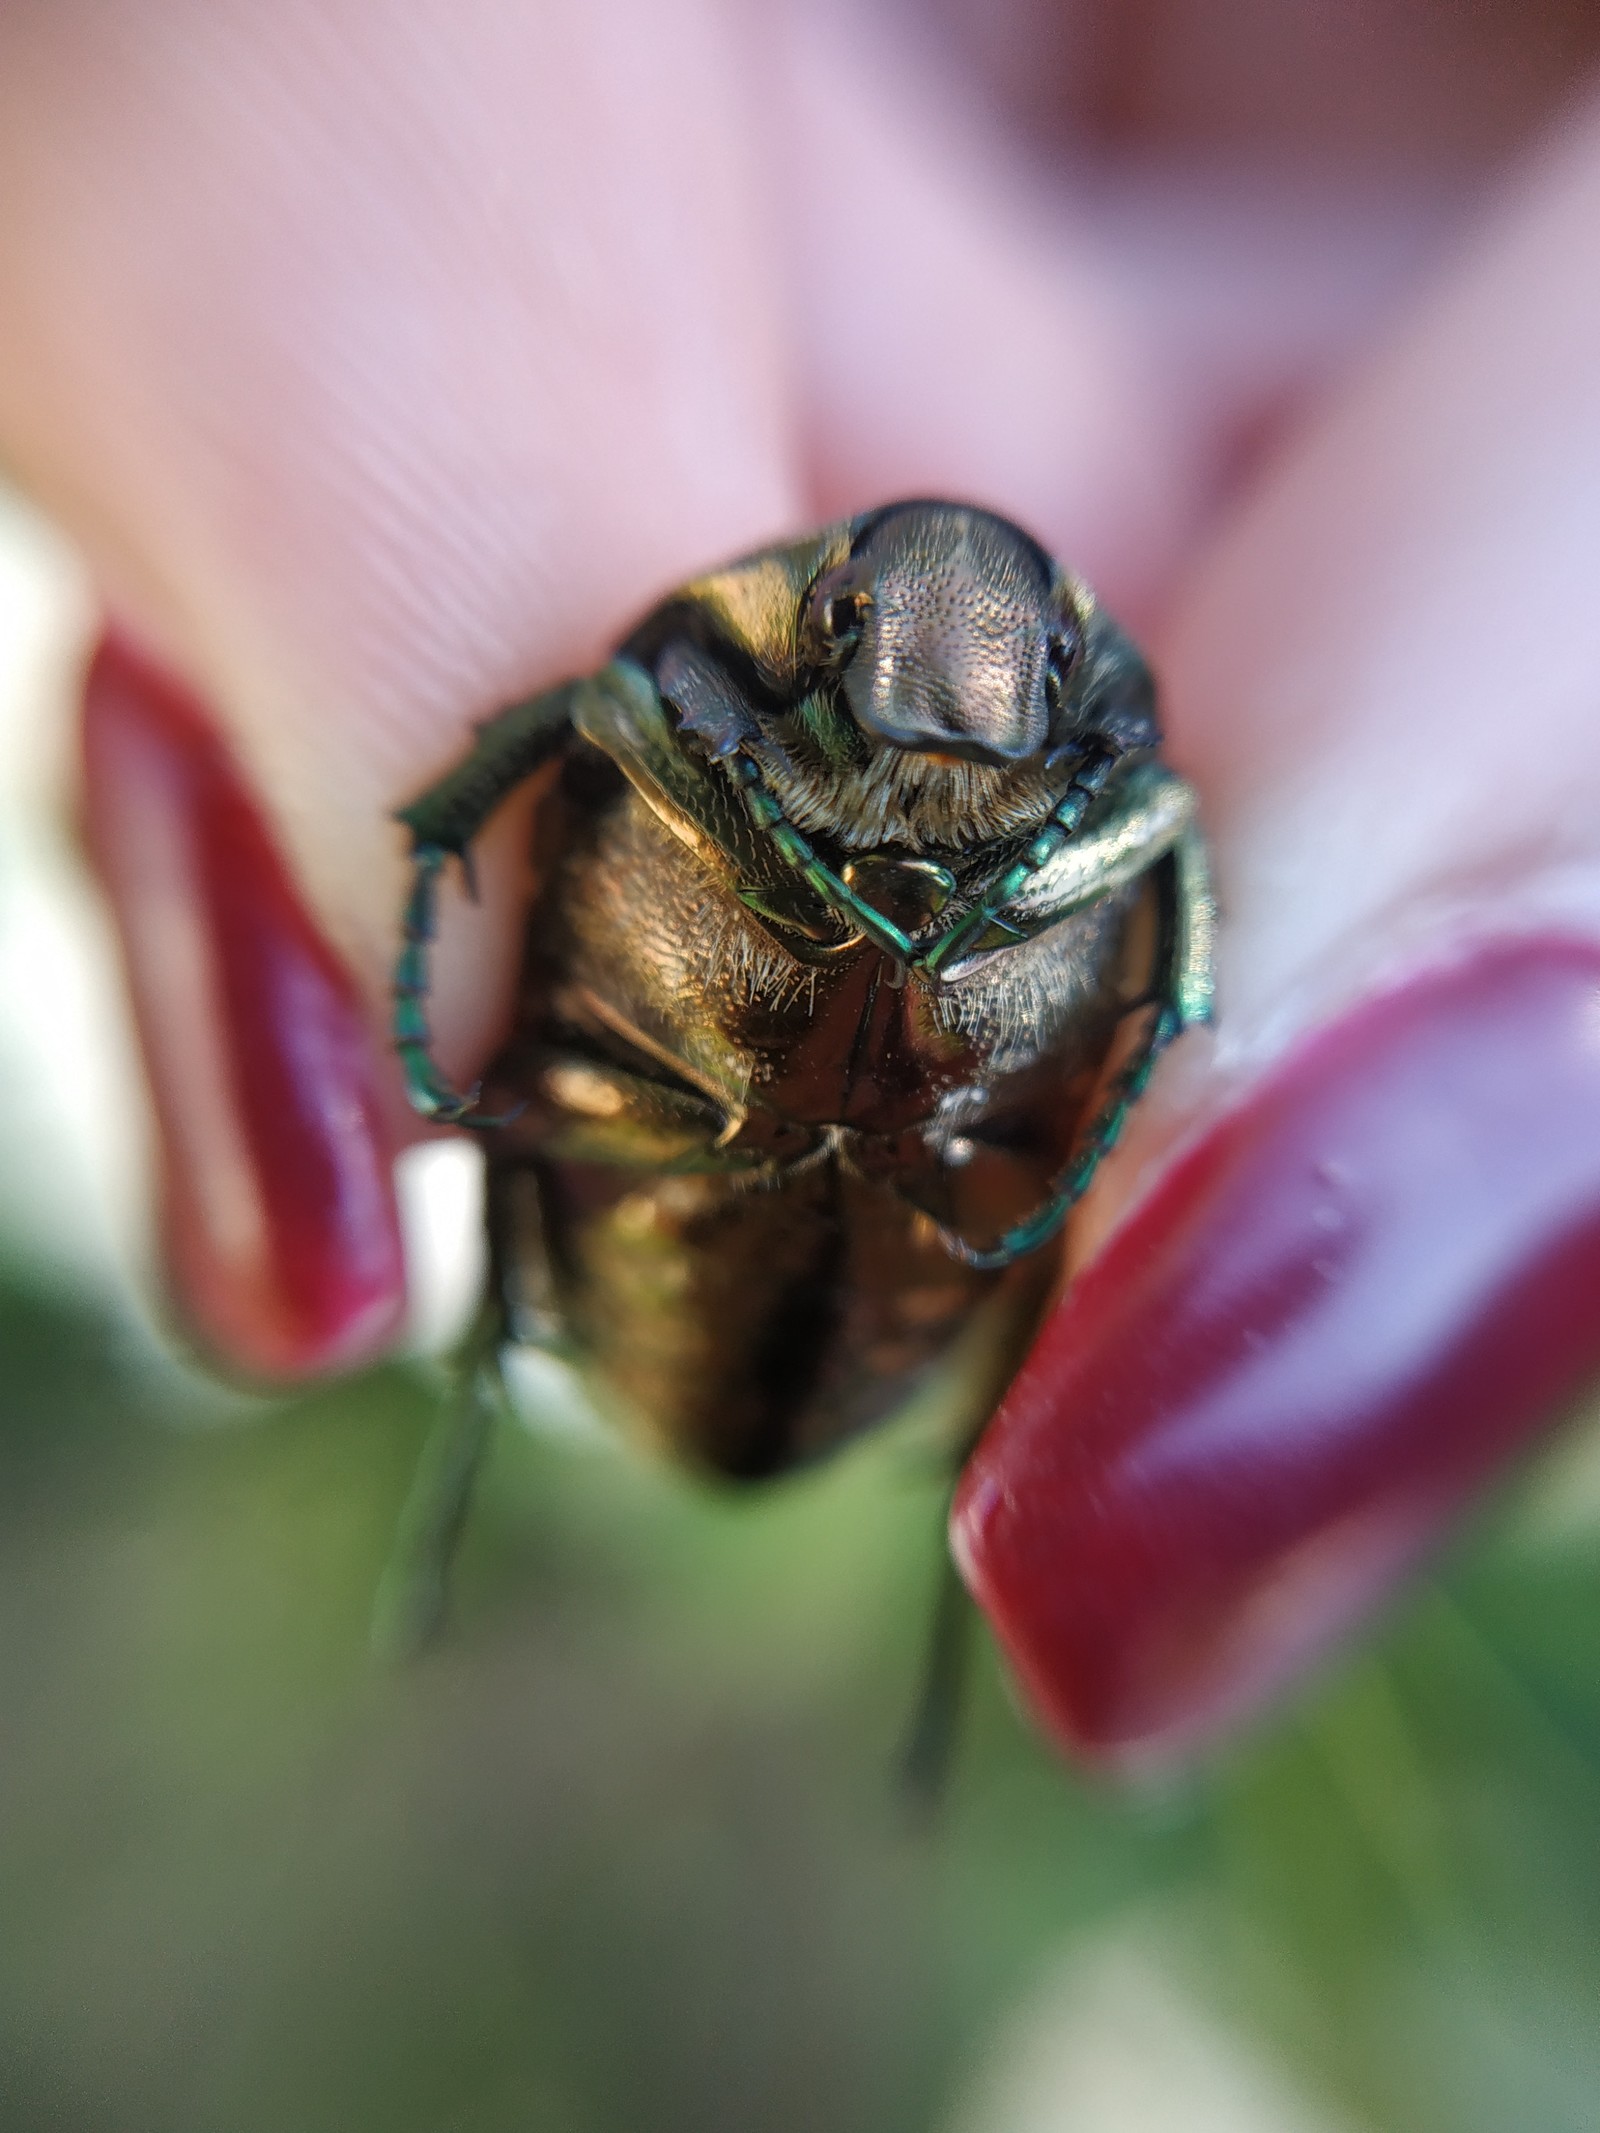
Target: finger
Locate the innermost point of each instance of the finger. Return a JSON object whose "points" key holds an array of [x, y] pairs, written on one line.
{"points": [[1367, 1275], [1337, 86], [385, 362], [957, 331], [1100, 348], [376, 404], [275, 1182]]}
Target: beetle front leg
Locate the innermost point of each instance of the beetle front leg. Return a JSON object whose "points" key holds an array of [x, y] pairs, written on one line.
{"points": [[443, 822], [509, 748], [430, 1093]]}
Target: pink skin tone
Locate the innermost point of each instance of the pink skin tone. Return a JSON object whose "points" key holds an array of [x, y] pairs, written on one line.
{"points": [[373, 403]]}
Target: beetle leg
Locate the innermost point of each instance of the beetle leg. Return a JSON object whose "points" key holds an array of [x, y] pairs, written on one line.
{"points": [[518, 1304], [588, 1109], [1184, 960], [1084, 787], [430, 1093], [929, 1747], [443, 822], [1104, 1132], [413, 1596], [1193, 982], [1145, 814], [509, 748]]}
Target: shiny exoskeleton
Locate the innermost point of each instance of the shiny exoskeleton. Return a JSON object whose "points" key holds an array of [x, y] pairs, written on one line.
{"points": [[864, 907]]}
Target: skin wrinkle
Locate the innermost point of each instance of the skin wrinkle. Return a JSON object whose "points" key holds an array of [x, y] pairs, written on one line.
{"points": [[330, 382], [1032, 392], [1425, 724], [350, 579], [1474, 613]]}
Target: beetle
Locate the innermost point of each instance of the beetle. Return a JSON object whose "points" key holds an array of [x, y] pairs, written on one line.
{"points": [[864, 906]]}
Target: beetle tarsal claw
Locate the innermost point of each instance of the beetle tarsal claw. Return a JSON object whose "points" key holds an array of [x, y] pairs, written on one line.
{"points": [[436, 1099]]}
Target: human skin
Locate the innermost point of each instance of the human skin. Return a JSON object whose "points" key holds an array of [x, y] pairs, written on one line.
{"points": [[387, 360]]}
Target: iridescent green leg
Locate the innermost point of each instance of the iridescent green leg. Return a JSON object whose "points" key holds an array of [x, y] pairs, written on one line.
{"points": [[1184, 997], [1102, 1136], [930, 1741], [413, 1595], [430, 1093], [443, 822], [519, 1304]]}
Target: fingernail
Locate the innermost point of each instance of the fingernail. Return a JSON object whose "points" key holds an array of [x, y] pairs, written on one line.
{"points": [[278, 1216], [1300, 1357]]}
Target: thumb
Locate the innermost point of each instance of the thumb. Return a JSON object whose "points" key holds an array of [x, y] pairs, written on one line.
{"points": [[1347, 1262], [375, 402]]}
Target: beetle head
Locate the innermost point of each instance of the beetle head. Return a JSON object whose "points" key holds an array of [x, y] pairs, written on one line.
{"points": [[950, 632]]}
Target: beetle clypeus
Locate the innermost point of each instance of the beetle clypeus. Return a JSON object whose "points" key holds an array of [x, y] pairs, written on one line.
{"points": [[864, 907]]}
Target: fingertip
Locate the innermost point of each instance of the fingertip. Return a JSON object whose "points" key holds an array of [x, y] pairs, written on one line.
{"points": [[279, 1230], [956, 333]]}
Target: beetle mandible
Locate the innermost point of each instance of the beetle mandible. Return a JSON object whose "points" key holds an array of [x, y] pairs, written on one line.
{"points": [[864, 908]]}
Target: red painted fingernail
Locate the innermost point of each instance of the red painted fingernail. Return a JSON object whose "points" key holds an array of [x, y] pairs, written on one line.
{"points": [[1323, 1332], [278, 1211]]}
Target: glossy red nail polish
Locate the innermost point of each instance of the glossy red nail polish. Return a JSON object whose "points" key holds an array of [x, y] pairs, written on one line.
{"points": [[278, 1212], [1300, 1357]]}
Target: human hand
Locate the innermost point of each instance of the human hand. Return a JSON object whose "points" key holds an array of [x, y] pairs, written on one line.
{"points": [[385, 367]]}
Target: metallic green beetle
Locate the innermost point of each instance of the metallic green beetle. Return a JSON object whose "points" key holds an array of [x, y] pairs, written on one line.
{"points": [[864, 907]]}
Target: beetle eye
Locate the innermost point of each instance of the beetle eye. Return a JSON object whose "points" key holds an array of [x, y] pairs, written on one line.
{"points": [[841, 617], [1061, 657], [836, 624]]}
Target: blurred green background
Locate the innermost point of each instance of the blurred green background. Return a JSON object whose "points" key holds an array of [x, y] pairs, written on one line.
{"points": [[624, 1851]]}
